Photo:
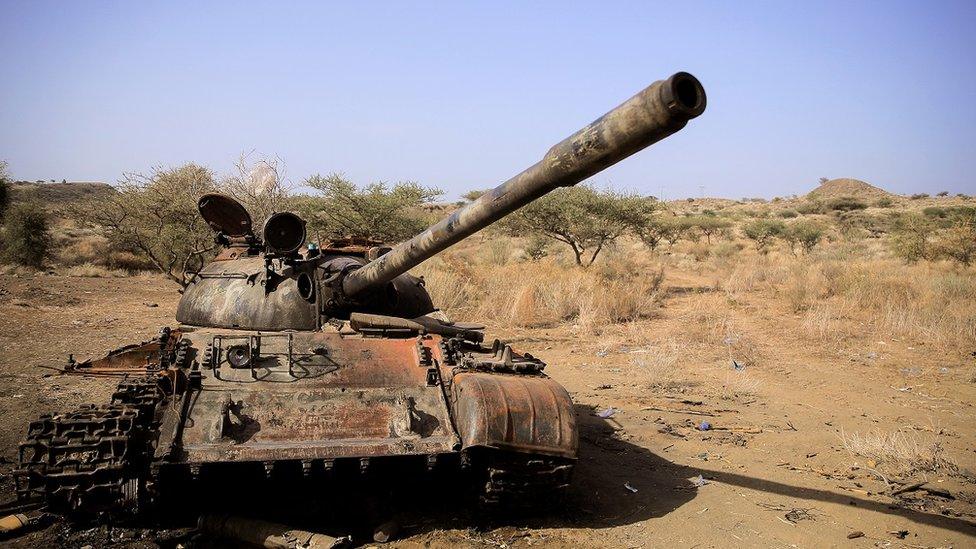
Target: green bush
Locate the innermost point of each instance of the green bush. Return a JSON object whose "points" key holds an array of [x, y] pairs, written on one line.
{"points": [[846, 204], [788, 214], [883, 202], [910, 237], [958, 242], [804, 233], [935, 211], [536, 248], [942, 193], [762, 232], [26, 240], [811, 207], [708, 226], [919, 196]]}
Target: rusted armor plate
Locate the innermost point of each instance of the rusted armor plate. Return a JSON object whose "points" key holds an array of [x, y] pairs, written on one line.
{"points": [[345, 396], [514, 412], [138, 358]]}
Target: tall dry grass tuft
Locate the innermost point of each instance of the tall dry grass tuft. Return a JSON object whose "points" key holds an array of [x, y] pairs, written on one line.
{"points": [[924, 302], [543, 293], [659, 367], [89, 270], [899, 454], [839, 296]]}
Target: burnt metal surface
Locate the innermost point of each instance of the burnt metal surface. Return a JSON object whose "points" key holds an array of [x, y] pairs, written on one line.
{"points": [[240, 294], [333, 396], [138, 358], [658, 111], [91, 459], [532, 414]]}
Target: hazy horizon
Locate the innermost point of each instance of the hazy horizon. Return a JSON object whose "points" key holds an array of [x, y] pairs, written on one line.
{"points": [[464, 97]]}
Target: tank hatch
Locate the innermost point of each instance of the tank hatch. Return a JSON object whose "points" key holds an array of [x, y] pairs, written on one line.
{"points": [[225, 215]]}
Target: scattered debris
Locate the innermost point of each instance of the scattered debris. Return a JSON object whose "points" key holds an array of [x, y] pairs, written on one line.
{"points": [[796, 515], [907, 488], [692, 412], [266, 534], [924, 487], [629, 487], [704, 426], [900, 534], [15, 524], [699, 481], [604, 387], [737, 366], [855, 534], [606, 414], [386, 531]]}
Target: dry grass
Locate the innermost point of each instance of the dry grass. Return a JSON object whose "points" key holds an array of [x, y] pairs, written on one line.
{"points": [[659, 367], [89, 270], [80, 250], [841, 296], [899, 454], [740, 385], [543, 293]]}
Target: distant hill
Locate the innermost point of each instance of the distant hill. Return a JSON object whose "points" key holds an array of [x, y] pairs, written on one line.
{"points": [[60, 193], [846, 186]]}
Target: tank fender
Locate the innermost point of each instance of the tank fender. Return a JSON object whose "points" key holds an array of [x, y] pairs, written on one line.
{"points": [[531, 414]]}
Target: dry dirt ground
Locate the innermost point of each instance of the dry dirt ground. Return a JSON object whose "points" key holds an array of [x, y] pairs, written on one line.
{"points": [[773, 468]]}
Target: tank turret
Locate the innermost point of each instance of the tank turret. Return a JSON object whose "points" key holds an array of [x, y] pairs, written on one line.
{"points": [[271, 286]]}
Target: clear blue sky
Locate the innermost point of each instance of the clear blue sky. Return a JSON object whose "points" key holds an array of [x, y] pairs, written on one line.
{"points": [[464, 96]]}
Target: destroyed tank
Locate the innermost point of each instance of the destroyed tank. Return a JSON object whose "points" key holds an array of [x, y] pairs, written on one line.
{"points": [[295, 360]]}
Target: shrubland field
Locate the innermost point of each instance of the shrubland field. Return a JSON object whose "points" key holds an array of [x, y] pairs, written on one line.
{"points": [[828, 340]]}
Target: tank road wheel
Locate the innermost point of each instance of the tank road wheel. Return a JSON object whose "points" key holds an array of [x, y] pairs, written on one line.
{"points": [[92, 459], [520, 482]]}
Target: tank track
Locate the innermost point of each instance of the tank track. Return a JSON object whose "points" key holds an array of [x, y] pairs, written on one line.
{"points": [[516, 481], [94, 458]]}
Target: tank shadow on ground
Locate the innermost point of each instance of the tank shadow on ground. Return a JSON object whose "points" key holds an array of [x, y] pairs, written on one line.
{"points": [[599, 498]]}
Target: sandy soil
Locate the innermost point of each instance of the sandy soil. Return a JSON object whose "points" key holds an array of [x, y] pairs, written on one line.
{"points": [[774, 465]]}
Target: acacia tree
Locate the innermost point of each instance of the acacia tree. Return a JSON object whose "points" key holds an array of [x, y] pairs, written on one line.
{"points": [[709, 225], [675, 228], [958, 242], [652, 231], [379, 211], [581, 217], [803, 233], [156, 215], [762, 232]]}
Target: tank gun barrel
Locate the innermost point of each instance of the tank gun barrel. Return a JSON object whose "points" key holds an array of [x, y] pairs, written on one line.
{"points": [[656, 112]]}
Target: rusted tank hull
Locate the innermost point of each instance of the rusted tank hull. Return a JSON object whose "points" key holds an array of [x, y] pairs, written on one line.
{"points": [[338, 395]]}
